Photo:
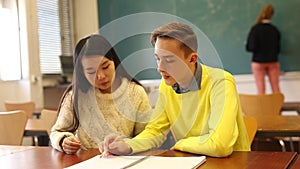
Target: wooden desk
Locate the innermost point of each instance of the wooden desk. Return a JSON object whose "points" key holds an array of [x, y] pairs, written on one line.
{"points": [[41, 157], [296, 164], [48, 158], [238, 160], [37, 129], [282, 126], [291, 106]]}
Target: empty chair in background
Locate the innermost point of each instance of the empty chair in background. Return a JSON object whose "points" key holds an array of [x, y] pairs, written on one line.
{"points": [[12, 125], [49, 118], [251, 125], [261, 104], [257, 105], [28, 107]]}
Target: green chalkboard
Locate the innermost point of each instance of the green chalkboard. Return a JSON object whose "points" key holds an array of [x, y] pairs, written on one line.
{"points": [[225, 23]]}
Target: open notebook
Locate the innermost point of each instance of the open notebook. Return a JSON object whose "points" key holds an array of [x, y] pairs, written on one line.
{"points": [[138, 162]]}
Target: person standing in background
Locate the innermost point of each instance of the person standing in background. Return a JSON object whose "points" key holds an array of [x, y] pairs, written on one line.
{"points": [[264, 42]]}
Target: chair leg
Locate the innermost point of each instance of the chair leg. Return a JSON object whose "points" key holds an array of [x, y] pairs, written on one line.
{"points": [[35, 141], [281, 142], [299, 146], [291, 144]]}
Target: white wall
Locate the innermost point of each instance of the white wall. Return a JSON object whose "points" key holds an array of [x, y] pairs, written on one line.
{"points": [[85, 18], [289, 85]]}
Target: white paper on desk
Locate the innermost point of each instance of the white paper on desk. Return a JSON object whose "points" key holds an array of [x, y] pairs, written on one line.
{"points": [[111, 162], [117, 162], [170, 162]]}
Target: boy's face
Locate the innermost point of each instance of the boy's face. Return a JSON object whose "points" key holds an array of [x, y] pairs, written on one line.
{"points": [[173, 65]]}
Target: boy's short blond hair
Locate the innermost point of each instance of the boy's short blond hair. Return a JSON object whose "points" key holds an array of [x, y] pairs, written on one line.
{"points": [[178, 31]]}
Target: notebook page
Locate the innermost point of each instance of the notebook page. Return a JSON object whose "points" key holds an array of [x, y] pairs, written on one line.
{"points": [[170, 162], [117, 162], [111, 162]]}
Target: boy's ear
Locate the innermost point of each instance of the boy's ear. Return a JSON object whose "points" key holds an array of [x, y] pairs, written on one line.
{"points": [[194, 58]]}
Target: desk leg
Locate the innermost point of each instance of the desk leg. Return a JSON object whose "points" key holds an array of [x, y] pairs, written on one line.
{"points": [[34, 141], [43, 140]]}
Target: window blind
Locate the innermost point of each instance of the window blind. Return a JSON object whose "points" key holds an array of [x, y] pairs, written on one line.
{"points": [[66, 22], [49, 36]]}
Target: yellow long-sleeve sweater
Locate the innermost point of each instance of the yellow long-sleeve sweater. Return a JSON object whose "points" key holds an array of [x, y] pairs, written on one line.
{"points": [[207, 121]]}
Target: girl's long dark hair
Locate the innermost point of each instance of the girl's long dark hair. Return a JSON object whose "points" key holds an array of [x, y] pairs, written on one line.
{"points": [[94, 44]]}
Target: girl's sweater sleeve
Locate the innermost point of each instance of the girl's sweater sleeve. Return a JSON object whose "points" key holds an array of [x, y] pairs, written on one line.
{"points": [[64, 120]]}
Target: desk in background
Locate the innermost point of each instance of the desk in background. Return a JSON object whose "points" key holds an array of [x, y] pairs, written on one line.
{"points": [[48, 158], [278, 126], [291, 106], [37, 129]]}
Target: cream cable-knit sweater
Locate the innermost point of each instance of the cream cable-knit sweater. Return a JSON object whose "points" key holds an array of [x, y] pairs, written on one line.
{"points": [[124, 112]]}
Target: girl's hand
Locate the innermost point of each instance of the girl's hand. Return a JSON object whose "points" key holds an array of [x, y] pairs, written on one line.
{"points": [[71, 145]]}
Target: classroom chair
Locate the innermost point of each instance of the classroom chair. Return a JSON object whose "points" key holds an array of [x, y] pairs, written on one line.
{"points": [[251, 126], [257, 105], [12, 126], [28, 107], [49, 118]]}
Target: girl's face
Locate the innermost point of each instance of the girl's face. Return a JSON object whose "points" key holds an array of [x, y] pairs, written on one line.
{"points": [[99, 71]]}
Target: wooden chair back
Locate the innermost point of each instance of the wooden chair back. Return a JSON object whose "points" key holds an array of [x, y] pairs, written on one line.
{"points": [[28, 107], [49, 118], [261, 104], [12, 126], [251, 125]]}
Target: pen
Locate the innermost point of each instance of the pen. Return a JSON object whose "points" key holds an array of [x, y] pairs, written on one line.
{"points": [[82, 147], [135, 162], [104, 152]]}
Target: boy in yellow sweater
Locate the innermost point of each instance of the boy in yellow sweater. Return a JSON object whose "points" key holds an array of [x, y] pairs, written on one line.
{"points": [[199, 104]]}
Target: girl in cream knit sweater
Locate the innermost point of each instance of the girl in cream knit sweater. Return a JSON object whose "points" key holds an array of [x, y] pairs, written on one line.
{"points": [[102, 99]]}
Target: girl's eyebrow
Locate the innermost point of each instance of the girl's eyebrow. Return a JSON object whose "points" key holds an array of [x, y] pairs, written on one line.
{"points": [[105, 62], [102, 64]]}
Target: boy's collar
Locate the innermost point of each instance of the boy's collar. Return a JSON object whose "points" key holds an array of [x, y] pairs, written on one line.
{"points": [[195, 83]]}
